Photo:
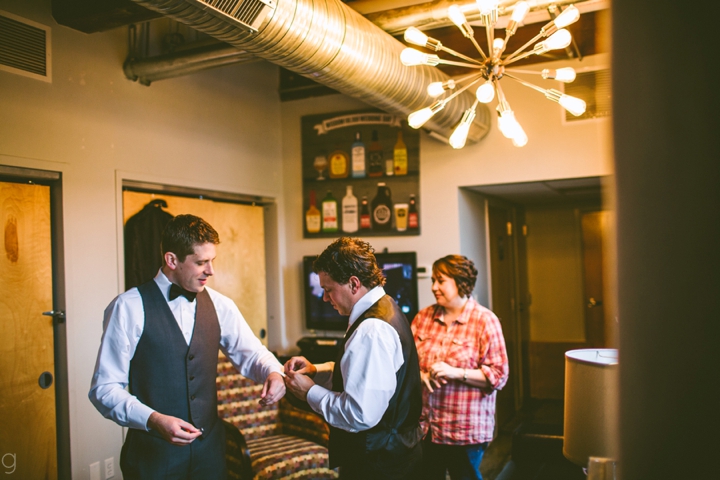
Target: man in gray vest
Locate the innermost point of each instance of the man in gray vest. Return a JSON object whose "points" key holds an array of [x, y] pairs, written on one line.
{"points": [[161, 340], [371, 396]]}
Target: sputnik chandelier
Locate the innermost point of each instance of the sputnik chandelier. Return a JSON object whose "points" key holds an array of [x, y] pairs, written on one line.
{"points": [[492, 68]]}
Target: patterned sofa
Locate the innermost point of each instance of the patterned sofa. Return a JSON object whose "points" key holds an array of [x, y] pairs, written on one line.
{"points": [[267, 443]]}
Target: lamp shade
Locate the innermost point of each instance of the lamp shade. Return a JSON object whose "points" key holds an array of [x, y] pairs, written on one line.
{"points": [[591, 405]]}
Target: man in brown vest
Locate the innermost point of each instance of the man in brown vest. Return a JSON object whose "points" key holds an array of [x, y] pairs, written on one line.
{"points": [[371, 395], [161, 340]]}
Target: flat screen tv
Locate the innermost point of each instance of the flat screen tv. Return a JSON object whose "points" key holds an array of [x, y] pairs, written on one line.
{"points": [[400, 269]]}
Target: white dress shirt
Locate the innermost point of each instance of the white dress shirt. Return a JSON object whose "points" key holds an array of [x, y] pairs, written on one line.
{"points": [[373, 355], [123, 325]]}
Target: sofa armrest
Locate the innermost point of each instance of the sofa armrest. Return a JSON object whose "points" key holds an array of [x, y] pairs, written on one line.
{"points": [[237, 455], [303, 423]]}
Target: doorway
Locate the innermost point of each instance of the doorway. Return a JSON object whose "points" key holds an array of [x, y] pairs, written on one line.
{"points": [[33, 356], [240, 268]]}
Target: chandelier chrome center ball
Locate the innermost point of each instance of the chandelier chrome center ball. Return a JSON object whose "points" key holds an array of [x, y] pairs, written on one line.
{"points": [[489, 69]]}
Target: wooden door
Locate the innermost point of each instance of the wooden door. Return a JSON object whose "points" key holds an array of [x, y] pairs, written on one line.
{"points": [[594, 225], [502, 271], [28, 440], [240, 263]]}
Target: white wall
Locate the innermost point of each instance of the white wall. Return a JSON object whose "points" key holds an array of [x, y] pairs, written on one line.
{"points": [[554, 151], [216, 130]]}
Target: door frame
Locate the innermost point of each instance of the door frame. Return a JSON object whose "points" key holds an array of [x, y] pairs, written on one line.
{"points": [[53, 179]]}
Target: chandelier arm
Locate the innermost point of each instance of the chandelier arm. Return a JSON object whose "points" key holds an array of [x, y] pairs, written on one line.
{"points": [[460, 90], [527, 84], [527, 72], [459, 55], [478, 48], [519, 50], [460, 64], [510, 60], [490, 33], [470, 75]]}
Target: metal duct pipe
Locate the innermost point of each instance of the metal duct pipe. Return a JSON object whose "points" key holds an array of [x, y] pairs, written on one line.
{"points": [[148, 70], [331, 43]]}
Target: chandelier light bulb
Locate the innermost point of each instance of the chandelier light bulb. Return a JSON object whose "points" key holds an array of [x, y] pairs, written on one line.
{"points": [[507, 124], [556, 41], [418, 119], [498, 45], [456, 15], [568, 16], [485, 92], [566, 74], [416, 37], [573, 105], [459, 136], [520, 139], [411, 57], [436, 89], [486, 7], [519, 11]]}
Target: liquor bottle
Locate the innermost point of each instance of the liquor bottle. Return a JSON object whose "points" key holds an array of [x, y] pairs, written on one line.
{"points": [[400, 156], [413, 218], [365, 214], [375, 157], [329, 213], [382, 209], [339, 164], [312, 216], [349, 211], [358, 157]]}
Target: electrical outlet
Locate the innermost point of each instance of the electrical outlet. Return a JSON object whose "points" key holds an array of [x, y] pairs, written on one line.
{"points": [[95, 471], [109, 467]]}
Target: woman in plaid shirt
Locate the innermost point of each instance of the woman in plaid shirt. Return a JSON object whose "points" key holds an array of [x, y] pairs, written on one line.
{"points": [[463, 362]]}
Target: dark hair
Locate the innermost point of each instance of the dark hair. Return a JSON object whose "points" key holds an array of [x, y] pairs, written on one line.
{"points": [[347, 257], [184, 232], [459, 268]]}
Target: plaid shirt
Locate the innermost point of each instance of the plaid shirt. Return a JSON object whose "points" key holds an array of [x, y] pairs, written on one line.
{"points": [[457, 413]]}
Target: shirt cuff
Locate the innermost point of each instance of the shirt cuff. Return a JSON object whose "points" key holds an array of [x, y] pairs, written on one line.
{"points": [[140, 416], [315, 396], [323, 376]]}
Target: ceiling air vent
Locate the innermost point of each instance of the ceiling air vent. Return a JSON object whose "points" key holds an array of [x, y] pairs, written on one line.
{"points": [[24, 47], [593, 87], [248, 14]]}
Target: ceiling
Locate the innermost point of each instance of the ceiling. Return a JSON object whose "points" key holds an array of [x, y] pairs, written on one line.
{"points": [[574, 190], [392, 15]]}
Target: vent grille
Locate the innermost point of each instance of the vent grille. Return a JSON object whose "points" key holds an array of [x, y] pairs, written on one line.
{"points": [[594, 88], [24, 47], [248, 14]]}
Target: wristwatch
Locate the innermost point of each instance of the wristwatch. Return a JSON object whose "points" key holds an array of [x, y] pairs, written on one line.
{"points": [[464, 374]]}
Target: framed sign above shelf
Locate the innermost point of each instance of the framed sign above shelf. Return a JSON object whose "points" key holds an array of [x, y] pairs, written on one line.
{"points": [[361, 175]]}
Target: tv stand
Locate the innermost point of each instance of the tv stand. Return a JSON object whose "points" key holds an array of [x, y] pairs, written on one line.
{"points": [[319, 349]]}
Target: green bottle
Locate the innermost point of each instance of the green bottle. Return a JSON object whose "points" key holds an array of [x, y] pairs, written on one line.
{"points": [[329, 213]]}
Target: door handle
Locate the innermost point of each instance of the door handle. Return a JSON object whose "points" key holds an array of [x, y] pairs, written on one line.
{"points": [[592, 303], [58, 316]]}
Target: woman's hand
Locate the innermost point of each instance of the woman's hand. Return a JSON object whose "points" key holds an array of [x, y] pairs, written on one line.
{"points": [[442, 372]]}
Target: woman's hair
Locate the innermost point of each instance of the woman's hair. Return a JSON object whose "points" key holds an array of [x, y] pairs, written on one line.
{"points": [[347, 257], [184, 232], [459, 268]]}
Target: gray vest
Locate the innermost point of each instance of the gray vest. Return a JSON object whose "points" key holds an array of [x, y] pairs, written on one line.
{"points": [[168, 375]]}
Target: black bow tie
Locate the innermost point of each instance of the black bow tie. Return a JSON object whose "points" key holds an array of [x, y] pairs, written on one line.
{"points": [[176, 291]]}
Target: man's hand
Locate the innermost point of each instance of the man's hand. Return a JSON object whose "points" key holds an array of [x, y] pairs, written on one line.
{"points": [[300, 365], [273, 389], [298, 383], [172, 429], [430, 382]]}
